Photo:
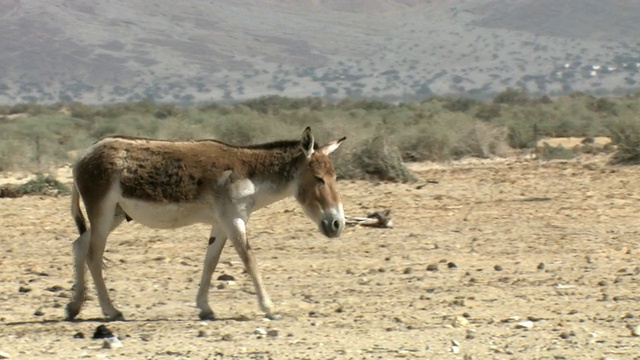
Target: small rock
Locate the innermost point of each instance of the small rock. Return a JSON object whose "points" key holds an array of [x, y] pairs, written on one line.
{"points": [[460, 321], [451, 265], [111, 343], [524, 324], [471, 334], [455, 346], [541, 266], [635, 330], [78, 335], [55, 288], [24, 289], [407, 271], [227, 337], [565, 335], [497, 268], [38, 312], [202, 333], [432, 267], [225, 277], [272, 333], [4, 355], [260, 331], [102, 333]]}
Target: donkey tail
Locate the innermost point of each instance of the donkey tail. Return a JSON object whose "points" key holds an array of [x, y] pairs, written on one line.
{"points": [[76, 212]]}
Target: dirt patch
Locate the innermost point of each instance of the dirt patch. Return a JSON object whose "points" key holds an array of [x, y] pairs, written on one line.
{"points": [[476, 248]]}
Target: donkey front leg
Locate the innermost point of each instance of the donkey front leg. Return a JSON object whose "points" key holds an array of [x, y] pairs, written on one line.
{"points": [[217, 239], [240, 243]]}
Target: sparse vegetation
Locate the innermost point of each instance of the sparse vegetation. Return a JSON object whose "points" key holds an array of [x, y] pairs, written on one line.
{"points": [[625, 134], [559, 152], [381, 134], [40, 185]]}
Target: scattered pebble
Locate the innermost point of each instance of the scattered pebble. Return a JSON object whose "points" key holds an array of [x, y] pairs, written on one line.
{"points": [[635, 330], [78, 335], [451, 265], [102, 333], [455, 346], [460, 321], [225, 277], [38, 312], [4, 355], [432, 267], [565, 335], [24, 289], [272, 333], [471, 334], [55, 288], [407, 271], [524, 324], [260, 331], [202, 333], [541, 266], [111, 343], [497, 268], [227, 337]]}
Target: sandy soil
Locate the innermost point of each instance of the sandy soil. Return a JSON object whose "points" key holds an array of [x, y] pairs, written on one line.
{"points": [[552, 242]]}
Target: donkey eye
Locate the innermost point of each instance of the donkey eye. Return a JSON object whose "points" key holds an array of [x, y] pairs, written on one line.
{"points": [[319, 179]]}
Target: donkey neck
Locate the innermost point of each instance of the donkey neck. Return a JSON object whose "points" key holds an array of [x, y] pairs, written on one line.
{"points": [[270, 176]]}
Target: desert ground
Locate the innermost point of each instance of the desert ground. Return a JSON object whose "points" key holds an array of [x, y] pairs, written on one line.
{"points": [[487, 259]]}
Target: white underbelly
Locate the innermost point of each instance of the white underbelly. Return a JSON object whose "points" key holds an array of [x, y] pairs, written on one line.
{"points": [[167, 215]]}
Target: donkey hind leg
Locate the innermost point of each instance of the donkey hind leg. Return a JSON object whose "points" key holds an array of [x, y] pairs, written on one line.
{"points": [[80, 250], [100, 232], [88, 249], [240, 243], [217, 239]]}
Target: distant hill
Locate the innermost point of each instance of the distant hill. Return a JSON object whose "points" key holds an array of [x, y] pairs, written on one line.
{"points": [[217, 50]]}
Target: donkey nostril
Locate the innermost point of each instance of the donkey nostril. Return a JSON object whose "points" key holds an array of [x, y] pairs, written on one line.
{"points": [[336, 224]]}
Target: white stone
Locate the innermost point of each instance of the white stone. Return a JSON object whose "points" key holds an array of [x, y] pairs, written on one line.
{"points": [[111, 343], [524, 324]]}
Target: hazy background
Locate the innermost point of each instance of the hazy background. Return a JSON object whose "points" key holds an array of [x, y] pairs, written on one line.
{"points": [[214, 50]]}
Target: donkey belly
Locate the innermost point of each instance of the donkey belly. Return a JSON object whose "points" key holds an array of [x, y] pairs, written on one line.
{"points": [[167, 215]]}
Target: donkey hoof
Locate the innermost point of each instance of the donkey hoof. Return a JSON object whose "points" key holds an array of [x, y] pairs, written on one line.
{"points": [[116, 317], [274, 316], [71, 311], [207, 315]]}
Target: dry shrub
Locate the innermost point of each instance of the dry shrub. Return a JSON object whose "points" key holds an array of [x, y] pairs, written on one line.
{"points": [[625, 134], [374, 159], [548, 152], [40, 185], [482, 140]]}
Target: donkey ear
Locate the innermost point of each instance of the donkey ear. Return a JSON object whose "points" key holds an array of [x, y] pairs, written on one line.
{"points": [[332, 146], [307, 142]]}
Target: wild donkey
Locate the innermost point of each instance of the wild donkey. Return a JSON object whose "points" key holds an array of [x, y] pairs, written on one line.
{"points": [[170, 184]]}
